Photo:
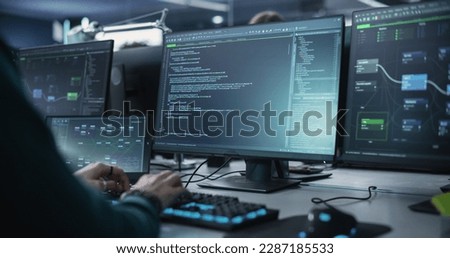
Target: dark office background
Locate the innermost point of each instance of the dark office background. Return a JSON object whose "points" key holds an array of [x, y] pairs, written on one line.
{"points": [[25, 23]]}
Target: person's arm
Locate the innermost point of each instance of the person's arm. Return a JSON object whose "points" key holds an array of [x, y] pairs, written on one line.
{"points": [[41, 196], [111, 179], [160, 189]]}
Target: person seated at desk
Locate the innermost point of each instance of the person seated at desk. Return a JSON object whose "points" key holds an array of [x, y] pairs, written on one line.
{"points": [[42, 198]]}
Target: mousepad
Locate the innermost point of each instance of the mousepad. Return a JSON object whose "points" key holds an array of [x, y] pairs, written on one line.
{"points": [[289, 228]]}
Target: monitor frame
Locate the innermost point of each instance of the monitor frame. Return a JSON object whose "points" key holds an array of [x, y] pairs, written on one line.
{"points": [[384, 158], [274, 160], [102, 98], [146, 155]]}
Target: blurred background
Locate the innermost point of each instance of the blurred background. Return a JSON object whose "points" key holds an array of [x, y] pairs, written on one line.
{"points": [[25, 23]]}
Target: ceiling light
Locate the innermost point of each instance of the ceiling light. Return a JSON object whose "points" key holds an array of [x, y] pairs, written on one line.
{"points": [[217, 19]]}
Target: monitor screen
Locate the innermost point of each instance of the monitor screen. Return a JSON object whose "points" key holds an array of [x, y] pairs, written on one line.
{"points": [[398, 95], [118, 141], [260, 91], [67, 79]]}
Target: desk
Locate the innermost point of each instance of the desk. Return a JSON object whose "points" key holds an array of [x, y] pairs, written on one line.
{"points": [[388, 206]]}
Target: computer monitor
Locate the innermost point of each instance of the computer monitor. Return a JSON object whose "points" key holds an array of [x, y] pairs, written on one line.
{"points": [[119, 141], [267, 93], [67, 79], [398, 96], [140, 72]]}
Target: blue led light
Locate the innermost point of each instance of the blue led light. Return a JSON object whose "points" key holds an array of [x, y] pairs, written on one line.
{"points": [[186, 214], [302, 234], [261, 212], [178, 213], [195, 215], [237, 220], [201, 206], [222, 219], [208, 217], [251, 215], [324, 217], [168, 211]]}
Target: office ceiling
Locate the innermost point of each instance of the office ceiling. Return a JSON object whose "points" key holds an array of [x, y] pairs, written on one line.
{"points": [[183, 14]]}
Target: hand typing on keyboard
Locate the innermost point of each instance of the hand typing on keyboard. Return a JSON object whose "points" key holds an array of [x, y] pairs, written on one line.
{"points": [[160, 189], [216, 211]]}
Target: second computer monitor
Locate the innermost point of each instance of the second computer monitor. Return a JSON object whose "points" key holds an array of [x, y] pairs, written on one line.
{"points": [[267, 91], [113, 140], [398, 94], [67, 79]]}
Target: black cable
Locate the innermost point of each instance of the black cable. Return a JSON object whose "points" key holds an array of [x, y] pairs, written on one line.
{"points": [[317, 200], [226, 174], [192, 181], [160, 165], [207, 177], [203, 177], [195, 171]]}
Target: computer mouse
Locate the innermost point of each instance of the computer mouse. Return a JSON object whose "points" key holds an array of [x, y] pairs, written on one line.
{"points": [[329, 222]]}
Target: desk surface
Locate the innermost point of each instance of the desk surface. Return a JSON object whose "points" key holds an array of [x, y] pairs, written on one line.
{"points": [[388, 206]]}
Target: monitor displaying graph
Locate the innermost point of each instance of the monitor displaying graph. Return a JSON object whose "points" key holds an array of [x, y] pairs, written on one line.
{"points": [[67, 79], [398, 98]]}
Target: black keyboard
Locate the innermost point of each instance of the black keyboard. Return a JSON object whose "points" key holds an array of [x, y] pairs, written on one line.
{"points": [[217, 212]]}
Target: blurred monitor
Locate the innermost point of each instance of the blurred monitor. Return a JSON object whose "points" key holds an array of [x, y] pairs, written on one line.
{"points": [[139, 70], [67, 79], [135, 81], [119, 141]]}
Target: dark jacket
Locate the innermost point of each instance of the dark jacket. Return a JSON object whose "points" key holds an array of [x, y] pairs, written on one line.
{"points": [[39, 195]]}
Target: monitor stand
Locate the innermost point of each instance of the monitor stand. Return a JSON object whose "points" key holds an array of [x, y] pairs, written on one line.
{"points": [[181, 163], [258, 177], [178, 163]]}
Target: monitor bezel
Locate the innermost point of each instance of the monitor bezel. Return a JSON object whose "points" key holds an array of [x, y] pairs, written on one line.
{"points": [[147, 138], [215, 150], [55, 47], [411, 162]]}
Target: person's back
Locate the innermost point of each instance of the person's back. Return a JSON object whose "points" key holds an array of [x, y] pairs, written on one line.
{"points": [[39, 195]]}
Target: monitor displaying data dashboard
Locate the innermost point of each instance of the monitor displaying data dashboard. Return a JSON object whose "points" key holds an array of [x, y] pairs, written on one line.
{"points": [[267, 90], [398, 96], [118, 141], [69, 79]]}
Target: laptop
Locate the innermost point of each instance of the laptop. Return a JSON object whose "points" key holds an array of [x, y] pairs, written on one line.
{"points": [[119, 141]]}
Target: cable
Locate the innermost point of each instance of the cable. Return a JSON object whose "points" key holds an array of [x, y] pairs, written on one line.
{"points": [[317, 200], [161, 165], [203, 177], [226, 174], [207, 177], [195, 171]]}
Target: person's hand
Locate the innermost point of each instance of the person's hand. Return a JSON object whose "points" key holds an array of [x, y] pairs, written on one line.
{"points": [[165, 185], [105, 178]]}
